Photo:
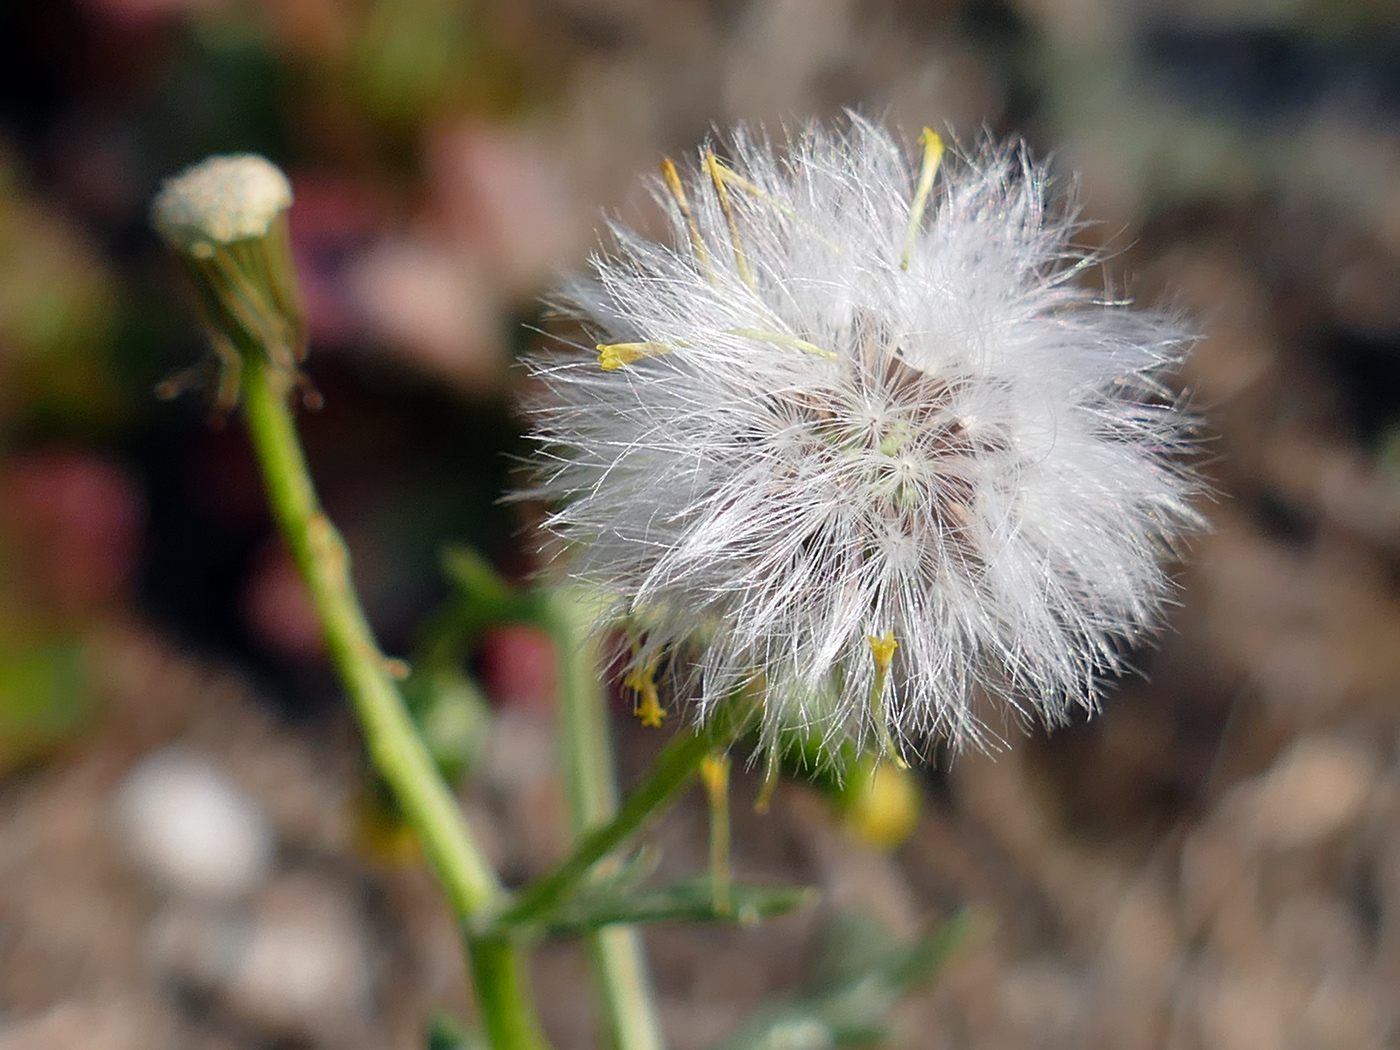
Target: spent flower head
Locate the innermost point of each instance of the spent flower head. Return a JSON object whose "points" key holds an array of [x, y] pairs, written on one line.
{"points": [[225, 219], [857, 434], [221, 200]]}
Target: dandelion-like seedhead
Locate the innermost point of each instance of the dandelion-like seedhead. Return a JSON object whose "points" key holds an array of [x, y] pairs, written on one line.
{"points": [[858, 435]]}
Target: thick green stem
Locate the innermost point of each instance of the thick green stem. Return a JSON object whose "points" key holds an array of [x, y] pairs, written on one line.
{"points": [[503, 995], [616, 953], [394, 745]]}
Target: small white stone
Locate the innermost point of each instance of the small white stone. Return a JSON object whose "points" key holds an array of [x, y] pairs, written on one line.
{"points": [[221, 200], [192, 828], [296, 962]]}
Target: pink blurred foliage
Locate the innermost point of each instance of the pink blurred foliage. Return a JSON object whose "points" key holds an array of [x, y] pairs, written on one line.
{"points": [[322, 29], [497, 226], [142, 14], [331, 220], [435, 287], [74, 520], [277, 607], [519, 667], [428, 301], [420, 294], [497, 190]]}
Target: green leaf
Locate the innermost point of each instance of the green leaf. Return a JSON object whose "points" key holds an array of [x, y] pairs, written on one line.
{"points": [[690, 901], [629, 874], [852, 944], [852, 1012], [480, 600], [475, 578]]}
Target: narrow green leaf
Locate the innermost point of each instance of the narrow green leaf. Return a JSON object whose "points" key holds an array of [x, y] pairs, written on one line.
{"points": [[689, 901]]}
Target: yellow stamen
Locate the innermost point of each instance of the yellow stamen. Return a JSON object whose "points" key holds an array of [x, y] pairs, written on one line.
{"points": [[697, 243], [612, 356], [738, 181], [882, 649], [782, 339], [731, 176], [933, 157], [714, 772], [741, 262], [648, 707]]}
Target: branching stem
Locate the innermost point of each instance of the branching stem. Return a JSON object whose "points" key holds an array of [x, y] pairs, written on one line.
{"points": [[669, 773], [394, 745]]}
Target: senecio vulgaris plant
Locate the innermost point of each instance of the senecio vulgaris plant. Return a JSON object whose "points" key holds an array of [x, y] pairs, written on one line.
{"points": [[851, 455]]}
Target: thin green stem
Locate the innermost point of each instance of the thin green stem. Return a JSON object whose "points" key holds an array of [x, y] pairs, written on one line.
{"points": [[618, 959], [394, 745], [616, 953], [714, 771]]}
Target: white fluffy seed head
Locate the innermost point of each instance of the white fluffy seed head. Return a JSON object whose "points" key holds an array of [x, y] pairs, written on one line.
{"points": [[221, 200], [827, 421]]}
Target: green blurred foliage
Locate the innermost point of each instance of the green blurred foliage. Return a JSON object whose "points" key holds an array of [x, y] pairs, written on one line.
{"points": [[58, 307], [44, 695], [418, 59]]}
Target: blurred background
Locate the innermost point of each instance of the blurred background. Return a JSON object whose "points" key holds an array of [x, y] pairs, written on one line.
{"points": [[191, 852]]}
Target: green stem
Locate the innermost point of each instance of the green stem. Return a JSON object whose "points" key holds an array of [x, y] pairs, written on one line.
{"points": [[503, 994], [616, 953], [670, 772], [394, 745]]}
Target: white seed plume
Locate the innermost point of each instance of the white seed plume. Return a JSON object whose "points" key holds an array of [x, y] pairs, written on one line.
{"points": [[871, 445]]}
